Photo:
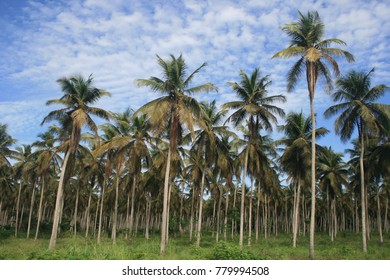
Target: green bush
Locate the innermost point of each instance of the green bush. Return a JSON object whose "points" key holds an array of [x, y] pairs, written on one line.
{"points": [[226, 251]]}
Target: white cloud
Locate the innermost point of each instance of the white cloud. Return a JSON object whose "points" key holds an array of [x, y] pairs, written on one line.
{"points": [[117, 41]]}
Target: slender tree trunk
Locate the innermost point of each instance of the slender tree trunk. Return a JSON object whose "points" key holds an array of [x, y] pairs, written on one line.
{"points": [[17, 208], [168, 215], [250, 216], [265, 215], [219, 213], [87, 214], [242, 210], [40, 207], [226, 216], [96, 217], [164, 221], [76, 204], [296, 213], [132, 207], [313, 169], [379, 218], [364, 233], [115, 218], [147, 218], [59, 204], [192, 214], [181, 208], [386, 213], [198, 233], [257, 225], [31, 211], [234, 208], [21, 217], [101, 212]]}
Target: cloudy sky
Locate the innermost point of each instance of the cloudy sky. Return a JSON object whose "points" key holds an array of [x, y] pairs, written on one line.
{"points": [[117, 41]]}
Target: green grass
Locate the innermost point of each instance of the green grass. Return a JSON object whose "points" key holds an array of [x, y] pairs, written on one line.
{"points": [[346, 246]]}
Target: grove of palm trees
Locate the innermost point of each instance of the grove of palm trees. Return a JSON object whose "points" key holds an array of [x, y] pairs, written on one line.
{"points": [[202, 177]]}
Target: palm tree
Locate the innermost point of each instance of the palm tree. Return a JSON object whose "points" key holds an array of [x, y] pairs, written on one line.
{"points": [[314, 54], [46, 158], [79, 93], [206, 146], [256, 108], [332, 175], [173, 110], [6, 141], [295, 160], [359, 110], [127, 139]]}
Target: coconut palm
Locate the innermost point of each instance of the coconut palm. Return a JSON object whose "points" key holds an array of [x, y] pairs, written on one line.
{"points": [[295, 160], [332, 175], [207, 144], [79, 93], [126, 139], [256, 108], [46, 158], [314, 54], [173, 110], [6, 141], [358, 110]]}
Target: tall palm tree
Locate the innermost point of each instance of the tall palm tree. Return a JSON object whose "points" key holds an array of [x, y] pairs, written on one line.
{"points": [[79, 93], [127, 139], [314, 54], [359, 110], [256, 108], [295, 160], [6, 141], [332, 175], [173, 110], [206, 146], [46, 158]]}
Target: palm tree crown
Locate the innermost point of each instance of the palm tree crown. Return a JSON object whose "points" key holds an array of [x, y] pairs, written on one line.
{"points": [[315, 52], [358, 108]]}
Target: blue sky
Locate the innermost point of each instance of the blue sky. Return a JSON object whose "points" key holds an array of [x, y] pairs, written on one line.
{"points": [[117, 40]]}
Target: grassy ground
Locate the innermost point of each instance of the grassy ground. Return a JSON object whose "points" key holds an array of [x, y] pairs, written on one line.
{"points": [[346, 246]]}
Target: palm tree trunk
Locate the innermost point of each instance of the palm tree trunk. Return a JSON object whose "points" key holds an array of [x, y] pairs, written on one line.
{"points": [[192, 214], [87, 214], [198, 233], [364, 234], [147, 218], [379, 218], [226, 216], [257, 225], [296, 213], [181, 208], [168, 210], [21, 217], [313, 165], [40, 208], [115, 219], [76, 204], [101, 211], [386, 214], [165, 205], [17, 209], [31, 211], [131, 225], [242, 210], [59, 204], [250, 216], [219, 214], [234, 206]]}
